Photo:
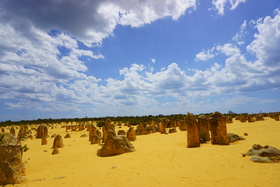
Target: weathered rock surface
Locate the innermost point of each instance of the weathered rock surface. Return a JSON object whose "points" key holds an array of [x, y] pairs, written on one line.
{"points": [[8, 175], [121, 132], [218, 129], [12, 168], [107, 127], [95, 139], [55, 151], [234, 137], [263, 154], [115, 145], [193, 139], [131, 134], [44, 141], [203, 128], [58, 142], [42, 132]]}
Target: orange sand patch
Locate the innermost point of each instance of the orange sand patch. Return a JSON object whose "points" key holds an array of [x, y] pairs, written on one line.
{"points": [[159, 160]]}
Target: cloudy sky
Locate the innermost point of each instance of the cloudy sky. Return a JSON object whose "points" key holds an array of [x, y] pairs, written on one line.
{"points": [[77, 58]]}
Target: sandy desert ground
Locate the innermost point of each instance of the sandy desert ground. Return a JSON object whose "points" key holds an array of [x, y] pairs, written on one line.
{"points": [[159, 160]]}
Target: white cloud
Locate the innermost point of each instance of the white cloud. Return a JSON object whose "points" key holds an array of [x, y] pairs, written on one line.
{"points": [[205, 55], [99, 18], [266, 44], [228, 49], [220, 5], [239, 36], [153, 60]]}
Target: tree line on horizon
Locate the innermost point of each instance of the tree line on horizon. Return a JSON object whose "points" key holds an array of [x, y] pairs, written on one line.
{"points": [[133, 120]]}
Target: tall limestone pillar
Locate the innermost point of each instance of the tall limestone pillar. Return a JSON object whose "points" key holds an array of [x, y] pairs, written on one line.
{"points": [[218, 129], [193, 139]]}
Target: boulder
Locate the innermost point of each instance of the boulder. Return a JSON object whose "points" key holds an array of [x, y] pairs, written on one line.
{"points": [[55, 151], [234, 137], [115, 145], [83, 136], [67, 135], [263, 154]]}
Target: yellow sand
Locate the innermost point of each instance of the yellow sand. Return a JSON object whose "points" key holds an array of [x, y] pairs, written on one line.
{"points": [[159, 160]]}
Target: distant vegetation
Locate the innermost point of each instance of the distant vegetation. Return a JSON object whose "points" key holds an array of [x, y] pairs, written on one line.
{"points": [[132, 120]]}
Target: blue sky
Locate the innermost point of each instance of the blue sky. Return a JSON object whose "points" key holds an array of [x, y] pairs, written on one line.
{"points": [[67, 59]]}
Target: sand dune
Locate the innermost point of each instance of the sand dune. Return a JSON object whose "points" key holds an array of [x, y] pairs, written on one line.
{"points": [[159, 160]]}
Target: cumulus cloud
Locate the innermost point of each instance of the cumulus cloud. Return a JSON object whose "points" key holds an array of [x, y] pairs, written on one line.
{"points": [[266, 43], [220, 5], [89, 21], [205, 55], [41, 67]]}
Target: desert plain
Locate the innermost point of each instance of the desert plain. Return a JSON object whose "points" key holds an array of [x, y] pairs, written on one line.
{"points": [[159, 160]]}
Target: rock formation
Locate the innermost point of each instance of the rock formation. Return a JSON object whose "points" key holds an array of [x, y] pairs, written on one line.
{"points": [[218, 129], [12, 167], [108, 126], [58, 142], [131, 134], [142, 129], [95, 139], [229, 119], [193, 139], [121, 132], [115, 145], [251, 118], [234, 137], [67, 135], [162, 127], [203, 128], [263, 154], [13, 131], [42, 132], [95, 135], [243, 118], [276, 117], [183, 125], [83, 136], [55, 151], [44, 141], [259, 117]]}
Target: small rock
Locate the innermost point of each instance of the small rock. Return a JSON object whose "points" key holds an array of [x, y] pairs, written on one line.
{"points": [[55, 151]]}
